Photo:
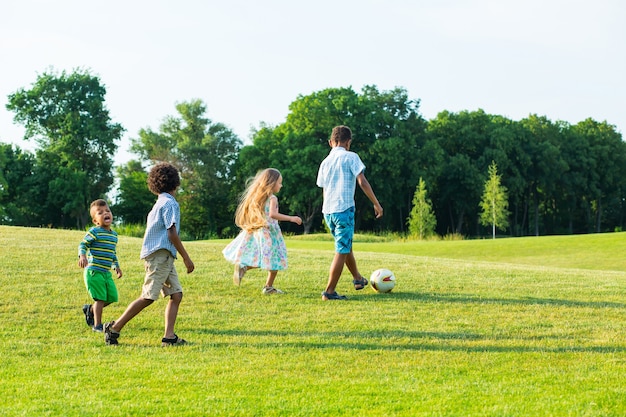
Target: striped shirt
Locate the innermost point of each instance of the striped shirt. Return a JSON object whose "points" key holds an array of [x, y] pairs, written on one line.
{"points": [[164, 214], [337, 176], [99, 247]]}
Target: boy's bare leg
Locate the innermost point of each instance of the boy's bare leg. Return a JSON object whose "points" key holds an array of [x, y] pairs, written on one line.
{"points": [[351, 264], [132, 310], [96, 309], [171, 312], [336, 268]]}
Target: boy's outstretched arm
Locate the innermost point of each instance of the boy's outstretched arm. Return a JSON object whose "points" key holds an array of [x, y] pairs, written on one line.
{"points": [[172, 235], [367, 189]]}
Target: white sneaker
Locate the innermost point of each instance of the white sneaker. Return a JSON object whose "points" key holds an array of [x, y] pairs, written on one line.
{"points": [[240, 271], [271, 290]]}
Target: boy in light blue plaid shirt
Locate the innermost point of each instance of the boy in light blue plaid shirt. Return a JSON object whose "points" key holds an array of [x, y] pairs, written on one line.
{"points": [[161, 245], [338, 175]]}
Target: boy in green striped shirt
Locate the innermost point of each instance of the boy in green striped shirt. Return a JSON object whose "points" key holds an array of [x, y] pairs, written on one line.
{"points": [[97, 254]]}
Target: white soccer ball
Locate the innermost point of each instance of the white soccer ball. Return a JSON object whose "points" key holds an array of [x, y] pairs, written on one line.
{"points": [[382, 280]]}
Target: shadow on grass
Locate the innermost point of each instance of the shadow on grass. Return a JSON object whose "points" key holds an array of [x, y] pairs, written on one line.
{"points": [[468, 298], [392, 341]]}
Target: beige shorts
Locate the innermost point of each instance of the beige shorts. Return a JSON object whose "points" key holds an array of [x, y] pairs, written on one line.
{"points": [[161, 277]]}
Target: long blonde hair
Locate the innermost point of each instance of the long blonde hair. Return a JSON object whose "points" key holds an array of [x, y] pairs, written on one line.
{"points": [[250, 214]]}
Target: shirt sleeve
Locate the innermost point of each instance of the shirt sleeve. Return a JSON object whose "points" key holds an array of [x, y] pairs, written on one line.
{"points": [[85, 244], [169, 216], [357, 165]]}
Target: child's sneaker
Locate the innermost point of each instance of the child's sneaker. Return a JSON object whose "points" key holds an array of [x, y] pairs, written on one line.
{"points": [[110, 335], [88, 312], [98, 328], [240, 271], [271, 290]]}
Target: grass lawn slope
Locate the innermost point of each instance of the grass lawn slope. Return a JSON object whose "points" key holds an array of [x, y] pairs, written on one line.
{"points": [[506, 327]]}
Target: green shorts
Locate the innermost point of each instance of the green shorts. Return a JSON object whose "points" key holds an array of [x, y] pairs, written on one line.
{"points": [[100, 285]]}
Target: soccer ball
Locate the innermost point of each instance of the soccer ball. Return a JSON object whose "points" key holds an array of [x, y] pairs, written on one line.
{"points": [[383, 280]]}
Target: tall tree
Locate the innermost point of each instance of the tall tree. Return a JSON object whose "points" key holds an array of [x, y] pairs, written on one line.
{"points": [[541, 141], [422, 220], [607, 152], [18, 189], [463, 137], [205, 153], [494, 204], [66, 115], [134, 200], [388, 135]]}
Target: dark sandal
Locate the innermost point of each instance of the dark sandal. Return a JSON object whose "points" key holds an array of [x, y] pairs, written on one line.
{"points": [[359, 284], [175, 341], [332, 296]]}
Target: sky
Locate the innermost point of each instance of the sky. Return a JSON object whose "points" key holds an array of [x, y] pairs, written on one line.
{"points": [[247, 60]]}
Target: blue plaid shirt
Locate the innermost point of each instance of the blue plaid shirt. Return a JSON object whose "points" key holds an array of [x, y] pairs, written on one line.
{"points": [[337, 176], [164, 214]]}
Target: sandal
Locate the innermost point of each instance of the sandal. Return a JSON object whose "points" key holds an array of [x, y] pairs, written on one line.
{"points": [[333, 296], [359, 284], [175, 341], [272, 290], [110, 335]]}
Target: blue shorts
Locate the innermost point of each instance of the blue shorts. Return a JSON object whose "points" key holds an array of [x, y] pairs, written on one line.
{"points": [[341, 226]]}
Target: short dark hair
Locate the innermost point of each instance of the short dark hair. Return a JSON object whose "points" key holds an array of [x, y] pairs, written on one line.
{"points": [[341, 134], [98, 203], [163, 178], [95, 204]]}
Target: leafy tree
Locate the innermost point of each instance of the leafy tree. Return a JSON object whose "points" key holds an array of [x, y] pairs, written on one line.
{"points": [[388, 135], [494, 204], [205, 153], [134, 200], [422, 221], [66, 115], [16, 169], [607, 154], [574, 185], [463, 138], [542, 141]]}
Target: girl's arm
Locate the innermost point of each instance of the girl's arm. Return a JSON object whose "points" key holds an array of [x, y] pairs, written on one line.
{"points": [[275, 214]]}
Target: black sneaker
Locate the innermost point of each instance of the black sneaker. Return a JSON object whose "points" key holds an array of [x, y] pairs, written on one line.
{"points": [[88, 312], [110, 335]]}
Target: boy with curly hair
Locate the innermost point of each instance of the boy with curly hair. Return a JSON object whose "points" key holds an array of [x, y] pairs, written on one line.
{"points": [[161, 245]]}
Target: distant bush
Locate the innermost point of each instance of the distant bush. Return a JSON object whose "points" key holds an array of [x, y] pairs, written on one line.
{"points": [[132, 230]]}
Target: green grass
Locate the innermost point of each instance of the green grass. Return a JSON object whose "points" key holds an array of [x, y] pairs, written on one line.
{"points": [[511, 327]]}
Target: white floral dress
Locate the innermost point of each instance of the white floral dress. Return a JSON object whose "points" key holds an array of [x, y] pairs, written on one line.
{"points": [[262, 248]]}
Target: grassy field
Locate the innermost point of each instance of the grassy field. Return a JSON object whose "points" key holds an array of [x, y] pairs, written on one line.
{"points": [[511, 327]]}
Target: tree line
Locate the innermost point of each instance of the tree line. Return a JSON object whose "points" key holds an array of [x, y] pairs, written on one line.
{"points": [[560, 178]]}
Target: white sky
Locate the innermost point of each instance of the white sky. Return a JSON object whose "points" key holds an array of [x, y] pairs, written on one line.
{"points": [[248, 60]]}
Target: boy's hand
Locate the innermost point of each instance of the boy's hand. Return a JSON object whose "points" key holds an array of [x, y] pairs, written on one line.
{"points": [[189, 264], [82, 261], [378, 210], [118, 271]]}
